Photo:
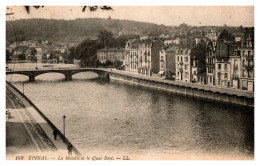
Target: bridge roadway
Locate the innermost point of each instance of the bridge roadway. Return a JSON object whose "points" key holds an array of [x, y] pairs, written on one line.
{"points": [[193, 89]]}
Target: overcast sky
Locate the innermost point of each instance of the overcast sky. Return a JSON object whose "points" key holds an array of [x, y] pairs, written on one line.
{"points": [[167, 15]]}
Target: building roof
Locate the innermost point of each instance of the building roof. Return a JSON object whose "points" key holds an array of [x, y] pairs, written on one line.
{"points": [[111, 50], [171, 48], [238, 34]]}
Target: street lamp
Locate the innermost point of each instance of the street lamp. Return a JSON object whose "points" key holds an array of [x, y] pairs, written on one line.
{"points": [[23, 88], [64, 117]]}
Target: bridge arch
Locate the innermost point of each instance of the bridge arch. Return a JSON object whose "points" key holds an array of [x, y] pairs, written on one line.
{"points": [[49, 76], [85, 75], [17, 77]]}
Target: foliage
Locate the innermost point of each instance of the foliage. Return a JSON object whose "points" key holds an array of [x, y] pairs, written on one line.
{"points": [[80, 29], [118, 64], [108, 63], [86, 52], [33, 51], [226, 36], [98, 63], [21, 56], [75, 30], [199, 52], [105, 37], [8, 56]]}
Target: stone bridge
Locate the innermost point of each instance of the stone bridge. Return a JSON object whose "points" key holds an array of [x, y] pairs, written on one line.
{"points": [[67, 72]]}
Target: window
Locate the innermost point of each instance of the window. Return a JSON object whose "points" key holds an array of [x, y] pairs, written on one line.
{"points": [[238, 52], [218, 74], [181, 58], [219, 66], [235, 62], [225, 66], [177, 59], [186, 67], [186, 74], [210, 70], [245, 53], [243, 73], [186, 59], [225, 76], [244, 63], [161, 65]]}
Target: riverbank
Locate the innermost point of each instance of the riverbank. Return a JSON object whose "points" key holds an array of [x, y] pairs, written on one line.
{"points": [[235, 96], [29, 132]]}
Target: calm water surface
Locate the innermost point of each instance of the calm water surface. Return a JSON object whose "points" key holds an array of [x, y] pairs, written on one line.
{"points": [[116, 116]]}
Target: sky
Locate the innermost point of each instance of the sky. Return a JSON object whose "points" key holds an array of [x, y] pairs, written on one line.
{"points": [[167, 15]]}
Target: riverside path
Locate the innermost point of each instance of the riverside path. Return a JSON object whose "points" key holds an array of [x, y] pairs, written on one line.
{"points": [[27, 132]]}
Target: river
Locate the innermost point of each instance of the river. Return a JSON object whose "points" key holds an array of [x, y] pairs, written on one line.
{"points": [[112, 117]]}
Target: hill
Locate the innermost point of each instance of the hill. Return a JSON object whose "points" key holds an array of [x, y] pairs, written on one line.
{"points": [[76, 30]]}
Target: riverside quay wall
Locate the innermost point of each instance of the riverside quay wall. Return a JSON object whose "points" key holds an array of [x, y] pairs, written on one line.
{"points": [[204, 91]]}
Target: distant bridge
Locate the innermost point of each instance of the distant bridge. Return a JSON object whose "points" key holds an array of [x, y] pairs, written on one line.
{"points": [[67, 72]]}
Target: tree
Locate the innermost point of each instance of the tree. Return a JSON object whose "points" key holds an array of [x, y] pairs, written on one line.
{"points": [[87, 53], [241, 29], [8, 56], [104, 37], [199, 52], [226, 36], [98, 63], [118, 64], [108, 63], [183, 25], [33, 52], [21, 56]]}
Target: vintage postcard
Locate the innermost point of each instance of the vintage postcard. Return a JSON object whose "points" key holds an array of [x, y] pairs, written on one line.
{"points": [[130, 83]]}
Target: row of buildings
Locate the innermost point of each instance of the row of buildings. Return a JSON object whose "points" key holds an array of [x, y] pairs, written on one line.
{"points": [[228, 64], [43, 51]]}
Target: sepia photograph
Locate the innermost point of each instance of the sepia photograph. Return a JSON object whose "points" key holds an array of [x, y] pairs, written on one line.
{"points": [[129, 83]]}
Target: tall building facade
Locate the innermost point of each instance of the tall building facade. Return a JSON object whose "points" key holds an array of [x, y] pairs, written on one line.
{"points": [[222, 76], [183, 64], [132, 52], [143, 56], [210, 62]]}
